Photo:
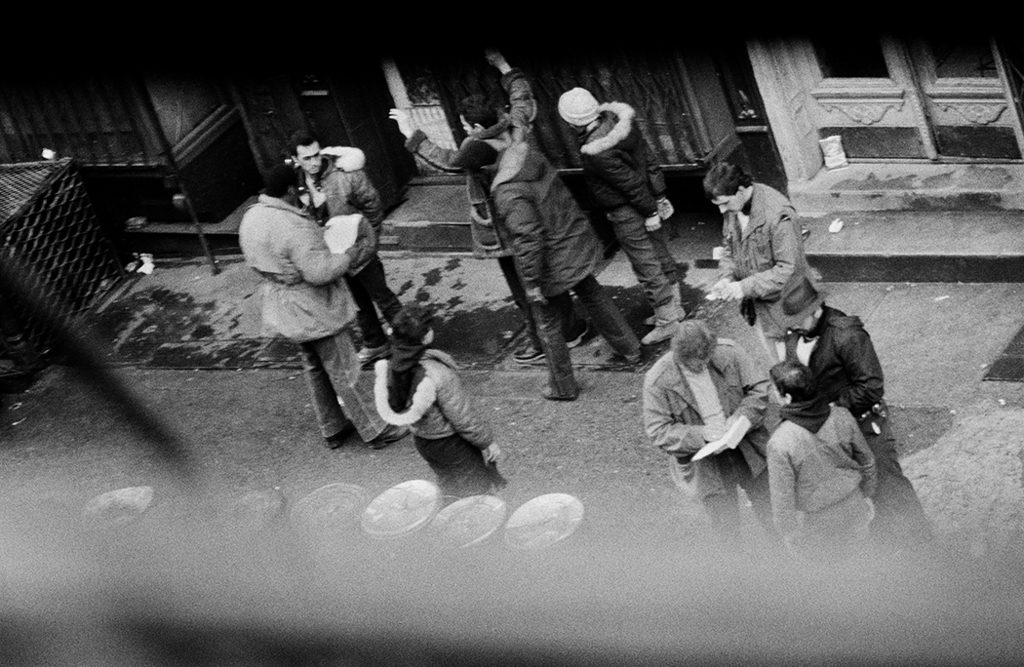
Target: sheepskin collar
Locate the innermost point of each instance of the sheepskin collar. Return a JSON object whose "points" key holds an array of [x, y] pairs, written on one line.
{"points": [[623, 114], [346, 158], [422, 398]]}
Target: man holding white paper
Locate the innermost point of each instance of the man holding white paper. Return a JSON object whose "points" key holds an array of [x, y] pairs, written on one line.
{"points": [[704, 404]]}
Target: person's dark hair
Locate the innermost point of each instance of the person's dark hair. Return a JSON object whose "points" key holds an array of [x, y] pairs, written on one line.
{"points": [[724, 180], [795, 379], [475, 155], [278, 179], [301, 138], [479, 109], [411, 323]]}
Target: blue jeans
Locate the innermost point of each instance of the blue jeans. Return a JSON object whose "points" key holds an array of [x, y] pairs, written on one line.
{"points": [[648, 254], [331, 368], [571, 323], [604, 315], [369, 289]]}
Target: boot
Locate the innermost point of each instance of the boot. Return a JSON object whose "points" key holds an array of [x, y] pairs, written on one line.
{"points": [[666, 322]]}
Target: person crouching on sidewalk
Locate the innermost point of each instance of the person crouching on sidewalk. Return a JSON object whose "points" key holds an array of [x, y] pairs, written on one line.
{"points": [[821, 472], [419, 388]]}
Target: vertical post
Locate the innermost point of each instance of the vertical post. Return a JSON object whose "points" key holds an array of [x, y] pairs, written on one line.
{"points": [[182, 197]]}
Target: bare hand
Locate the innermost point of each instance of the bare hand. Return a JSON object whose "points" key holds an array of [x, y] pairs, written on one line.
{"points": [[401, 116], [493, 454], [653, 223], [495, 58]]}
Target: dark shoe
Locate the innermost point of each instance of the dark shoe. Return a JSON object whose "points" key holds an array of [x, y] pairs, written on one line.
{"points": [[391, 434], [529, 354], [368, 355], [577, 340], [339, 438], [551, 396]]}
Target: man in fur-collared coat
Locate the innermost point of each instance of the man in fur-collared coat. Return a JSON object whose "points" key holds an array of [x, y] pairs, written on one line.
{"points": [[626, 185], [332, 181]]}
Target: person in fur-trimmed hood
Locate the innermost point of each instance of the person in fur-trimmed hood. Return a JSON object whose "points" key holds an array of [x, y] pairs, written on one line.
{"points": [[419, 388], [627, 186], [554, 245]]}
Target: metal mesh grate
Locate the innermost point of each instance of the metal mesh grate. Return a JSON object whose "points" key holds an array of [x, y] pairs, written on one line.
{"points": [[48, 223]]}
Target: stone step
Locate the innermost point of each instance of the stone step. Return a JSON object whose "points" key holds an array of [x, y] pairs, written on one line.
{"points": [[919, 246], [967, 245], [911, 187]]}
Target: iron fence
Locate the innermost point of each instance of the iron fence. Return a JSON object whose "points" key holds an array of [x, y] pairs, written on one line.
{"points": [[49, 227]]}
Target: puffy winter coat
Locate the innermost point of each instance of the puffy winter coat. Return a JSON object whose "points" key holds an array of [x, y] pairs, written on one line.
{"points": [[617, 166], [551, 237], [278, 240], [485, 230], [440, 406]]}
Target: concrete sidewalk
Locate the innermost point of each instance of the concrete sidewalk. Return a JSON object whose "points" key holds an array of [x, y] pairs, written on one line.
{"points": [[959, 434]]}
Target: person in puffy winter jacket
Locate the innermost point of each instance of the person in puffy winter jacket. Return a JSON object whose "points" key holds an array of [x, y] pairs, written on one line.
{"points": [[332, 182], [627, 185], [303, 301], [556, 250], [487, 231], [419, 388]]}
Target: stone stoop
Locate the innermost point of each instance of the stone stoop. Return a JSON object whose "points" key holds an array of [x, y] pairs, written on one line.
{"points": [[911, 187], [966, 246]]}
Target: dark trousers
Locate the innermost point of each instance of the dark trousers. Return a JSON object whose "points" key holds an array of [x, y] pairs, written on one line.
{"points": [[459, 465], [571, 322], [899, 518], [604, 315], [648, 254], [723, 508], [370, 289]]}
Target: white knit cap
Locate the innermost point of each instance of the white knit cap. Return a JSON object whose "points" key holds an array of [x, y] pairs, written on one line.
{"points": [[577, 106]]}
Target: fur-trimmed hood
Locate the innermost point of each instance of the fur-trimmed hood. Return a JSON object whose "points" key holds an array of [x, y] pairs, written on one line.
{"points": [[423, 397], [623, 124], [346, 158]]}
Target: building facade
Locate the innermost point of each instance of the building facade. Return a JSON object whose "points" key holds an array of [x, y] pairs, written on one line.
{"points": [[922, 121]]}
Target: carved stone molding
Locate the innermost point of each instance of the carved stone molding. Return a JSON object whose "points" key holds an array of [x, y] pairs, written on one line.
{"points": [[974, 111], [863, 111]]}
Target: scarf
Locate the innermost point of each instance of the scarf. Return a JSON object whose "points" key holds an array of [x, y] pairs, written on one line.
{"points": [[404, 373], [809, 414]]}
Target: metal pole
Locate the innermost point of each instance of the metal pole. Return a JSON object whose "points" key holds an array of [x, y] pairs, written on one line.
{"points": [[183, 197]]}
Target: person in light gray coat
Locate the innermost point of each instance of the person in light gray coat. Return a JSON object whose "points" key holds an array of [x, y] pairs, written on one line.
{"points": [[305, 299], [821, 472]]}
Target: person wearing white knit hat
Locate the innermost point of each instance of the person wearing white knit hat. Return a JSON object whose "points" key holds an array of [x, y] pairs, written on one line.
{"points": [[629, 188]]}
